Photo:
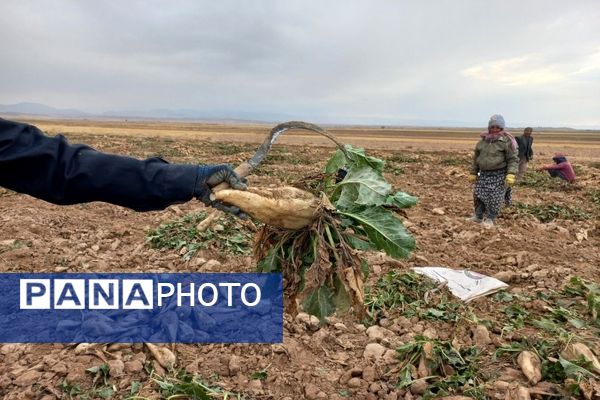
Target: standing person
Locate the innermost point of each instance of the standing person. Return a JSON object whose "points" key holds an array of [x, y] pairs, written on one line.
{"points": [[525, 143], [560, 169], [53, 170], [495, 164]]}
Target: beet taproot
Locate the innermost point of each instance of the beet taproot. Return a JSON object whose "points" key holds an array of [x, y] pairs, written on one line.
{"points": [[284, 207]]}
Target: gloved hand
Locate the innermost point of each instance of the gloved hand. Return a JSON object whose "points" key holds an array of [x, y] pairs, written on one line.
{"points": [[472, 178], [510, 180], [210, 176]]}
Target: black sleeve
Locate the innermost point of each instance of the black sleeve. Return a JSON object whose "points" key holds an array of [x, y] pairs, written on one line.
{"points": [[530, 155], [521, 145], [51, 169]]}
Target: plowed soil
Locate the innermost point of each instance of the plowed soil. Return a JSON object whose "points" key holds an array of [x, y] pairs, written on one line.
{"points": [[314, 362]]}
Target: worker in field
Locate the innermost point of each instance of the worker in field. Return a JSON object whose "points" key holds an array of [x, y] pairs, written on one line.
{"points": [[51, 169], [560, 169], [525, 143], [495, 163]]}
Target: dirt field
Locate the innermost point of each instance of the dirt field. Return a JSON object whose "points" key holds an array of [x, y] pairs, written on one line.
{"points": [[583, 145], [346, 357]]}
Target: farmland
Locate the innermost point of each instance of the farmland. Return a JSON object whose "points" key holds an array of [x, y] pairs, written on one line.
{"points": [[545, 246]]}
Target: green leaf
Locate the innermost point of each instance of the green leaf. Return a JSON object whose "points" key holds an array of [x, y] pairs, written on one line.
{"points": [[575, 287], [358, 243], [364, 267], [358, 158], [401, 200], [405, 378], [136, 386], [362, 186], [260, 375], [320, 302], [93, 370], [336, 162], [503, 296], [271, 262], [384, 230], [547, 324], [100, 371], [435, 313], [553, 372], [341, 299], [574, 370], [105, 392], [186, 386], [577, 322]]}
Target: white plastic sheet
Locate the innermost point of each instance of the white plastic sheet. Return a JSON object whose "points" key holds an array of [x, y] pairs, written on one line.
{"points": [[464, 284]]}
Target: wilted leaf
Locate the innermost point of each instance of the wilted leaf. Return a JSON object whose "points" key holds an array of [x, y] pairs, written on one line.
{"points": [[135, 387], [320, 302], [105, 392], [572, 369], [405, 379], [270, 263], [356, 284], [341, 299]]}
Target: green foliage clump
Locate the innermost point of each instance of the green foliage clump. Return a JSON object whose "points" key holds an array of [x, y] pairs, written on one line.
{"points": [[320, 262], [411, 294], [181, 385], [594, 195], [454, 161], [452, 370], [568, 316], [227, 234], [536, 179], [550, 212]]}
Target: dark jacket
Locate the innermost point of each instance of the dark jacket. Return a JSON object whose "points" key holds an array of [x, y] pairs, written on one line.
{"points": [[491, 156], [525, 147], [51, 169]]}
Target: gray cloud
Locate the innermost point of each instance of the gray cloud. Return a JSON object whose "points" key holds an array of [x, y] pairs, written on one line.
{"points": [[537, 62]]}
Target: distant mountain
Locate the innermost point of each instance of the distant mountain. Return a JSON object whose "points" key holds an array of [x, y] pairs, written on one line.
{"points": [[37, 109], [252, 116], [156, 113], [40, 109], [201, 115]]}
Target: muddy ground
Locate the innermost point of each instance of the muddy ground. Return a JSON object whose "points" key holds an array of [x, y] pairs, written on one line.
{"points": [[347, 357]]}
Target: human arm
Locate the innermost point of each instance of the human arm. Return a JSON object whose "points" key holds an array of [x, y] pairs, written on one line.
{"points": [[51, 169], [551, 167], [475, 164], [521, 145], [511, 158], [530, 150]]}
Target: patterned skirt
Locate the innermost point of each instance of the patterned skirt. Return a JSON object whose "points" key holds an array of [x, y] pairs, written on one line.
{"points": [[490, 189]]}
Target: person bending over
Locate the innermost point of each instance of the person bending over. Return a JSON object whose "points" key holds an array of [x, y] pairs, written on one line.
{"points": [[560, 169]]}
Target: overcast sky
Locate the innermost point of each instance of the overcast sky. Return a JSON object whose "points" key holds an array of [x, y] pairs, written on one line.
{"points": [[372, 62]]}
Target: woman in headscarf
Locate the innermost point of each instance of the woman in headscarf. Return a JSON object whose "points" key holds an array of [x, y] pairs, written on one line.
{"points": [[495, 164], [560, 169]]}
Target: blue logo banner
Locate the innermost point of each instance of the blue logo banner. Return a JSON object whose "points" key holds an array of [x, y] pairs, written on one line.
{"points": [[155, 308]]}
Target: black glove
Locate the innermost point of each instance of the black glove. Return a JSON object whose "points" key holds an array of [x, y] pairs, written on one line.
{"points": [[210, 176]]}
